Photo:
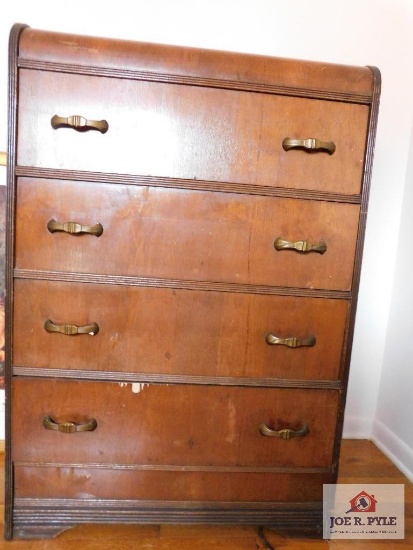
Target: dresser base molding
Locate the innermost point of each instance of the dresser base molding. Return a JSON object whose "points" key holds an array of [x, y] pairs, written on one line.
{"points": [[46, 518]]}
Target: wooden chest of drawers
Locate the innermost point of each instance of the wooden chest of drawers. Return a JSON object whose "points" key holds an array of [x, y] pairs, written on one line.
{"points": [[185, 232]]}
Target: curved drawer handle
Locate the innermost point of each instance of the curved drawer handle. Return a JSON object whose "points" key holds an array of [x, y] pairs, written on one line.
{"points": [[79, 123], [309, 144], [69, 427], [71, 330], [291, 342], [285, 433], [75, 228], [300, 246]]}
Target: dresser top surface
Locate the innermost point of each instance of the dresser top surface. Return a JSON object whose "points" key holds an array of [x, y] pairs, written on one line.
{"points": [[125, 55]]}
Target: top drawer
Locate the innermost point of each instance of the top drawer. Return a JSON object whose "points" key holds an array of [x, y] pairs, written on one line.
{"points": [[190, 132]]}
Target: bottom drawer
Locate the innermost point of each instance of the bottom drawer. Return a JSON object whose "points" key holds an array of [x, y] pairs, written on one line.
{"points": [[177, 426], [78, 482]]}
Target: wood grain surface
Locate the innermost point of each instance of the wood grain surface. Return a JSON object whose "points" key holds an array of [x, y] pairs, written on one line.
{"points": [[183, 234], [360, 462], [190, 132], [180, 332]]}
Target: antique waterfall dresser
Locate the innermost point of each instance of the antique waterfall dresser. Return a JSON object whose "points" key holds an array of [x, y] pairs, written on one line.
{"points": [[185, 233]]}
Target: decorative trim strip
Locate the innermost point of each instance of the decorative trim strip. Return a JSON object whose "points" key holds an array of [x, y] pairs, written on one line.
{"points": [[13, 75], [193, 81], [127, 504], [152, 282], [154, 378], [178, 468], [195, 185]]}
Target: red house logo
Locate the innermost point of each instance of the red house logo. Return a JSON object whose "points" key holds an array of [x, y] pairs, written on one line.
{"points": [[363, 502]]}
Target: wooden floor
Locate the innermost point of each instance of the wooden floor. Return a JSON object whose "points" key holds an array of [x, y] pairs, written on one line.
{"points": [[361, 462]]}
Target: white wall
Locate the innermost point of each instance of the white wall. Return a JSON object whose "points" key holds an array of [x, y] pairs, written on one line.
{"points": [[360, 32], [393, 428]]}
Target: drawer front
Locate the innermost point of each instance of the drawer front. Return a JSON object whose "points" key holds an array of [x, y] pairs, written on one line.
{"points": [[190, 132], [172, 425], [121, 483], [185, 332], [189, 235]]}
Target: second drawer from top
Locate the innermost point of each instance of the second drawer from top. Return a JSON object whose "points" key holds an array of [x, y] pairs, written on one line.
{"points": [[114, 229]]}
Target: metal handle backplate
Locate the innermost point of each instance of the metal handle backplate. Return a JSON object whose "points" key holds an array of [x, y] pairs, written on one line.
{"points": [[79, 123], [285, 433], [300, 246], [75, 228], [69, 427], [309, 144], [291, 342], [71, 330]]}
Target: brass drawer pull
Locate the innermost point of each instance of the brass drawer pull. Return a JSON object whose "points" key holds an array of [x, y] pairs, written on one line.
{"points": [[71, 330], [69, 427], [291, 342], [75, 228], [300, 246], [310, 144], [285, 433], [79, 123]]}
